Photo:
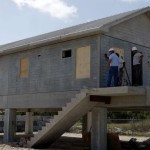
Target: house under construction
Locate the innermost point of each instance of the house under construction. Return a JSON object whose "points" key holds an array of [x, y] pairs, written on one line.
{"points": [[65, 71]]}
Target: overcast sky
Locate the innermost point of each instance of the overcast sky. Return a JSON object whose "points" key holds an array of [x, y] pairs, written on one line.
{"points": [[21, 19]]}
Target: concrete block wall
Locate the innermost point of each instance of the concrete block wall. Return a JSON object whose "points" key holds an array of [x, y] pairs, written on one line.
{"points": [[108, 42], [51, 79], [133, 32], [48, 71]]}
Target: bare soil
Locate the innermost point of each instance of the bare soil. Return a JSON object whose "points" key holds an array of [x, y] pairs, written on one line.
{"points": [[68, 141]]}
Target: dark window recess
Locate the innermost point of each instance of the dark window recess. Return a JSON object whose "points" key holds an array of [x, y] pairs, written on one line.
{"points": [[66, 53]]}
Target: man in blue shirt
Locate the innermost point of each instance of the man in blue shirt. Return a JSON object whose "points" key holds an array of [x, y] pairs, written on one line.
{"points": [[112, 65]]}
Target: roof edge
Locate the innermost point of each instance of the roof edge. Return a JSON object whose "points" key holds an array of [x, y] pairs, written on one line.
{"points": [[50, 41], [107, 26], [73, 35]]}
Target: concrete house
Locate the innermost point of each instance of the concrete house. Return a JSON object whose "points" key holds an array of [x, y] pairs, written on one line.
{"points": [[65, 71]]}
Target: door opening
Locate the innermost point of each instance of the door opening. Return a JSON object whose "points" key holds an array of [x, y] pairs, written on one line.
{"points": [[136, 66]]}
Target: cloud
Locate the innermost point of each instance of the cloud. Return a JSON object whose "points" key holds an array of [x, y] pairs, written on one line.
{"points": [[55, 8]]}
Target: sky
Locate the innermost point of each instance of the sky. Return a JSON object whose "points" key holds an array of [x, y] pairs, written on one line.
{"points": [[21, 19]]}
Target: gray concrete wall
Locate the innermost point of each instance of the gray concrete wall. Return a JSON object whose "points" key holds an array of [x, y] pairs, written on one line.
{"points": [[51, 81], [37, 100], [134, 32], [108, 42], [113, 42], [4, 62]]}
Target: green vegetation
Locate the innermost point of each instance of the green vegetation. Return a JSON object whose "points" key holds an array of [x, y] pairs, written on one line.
{"points": [[124, 123], [129, 123], [129, 115]]}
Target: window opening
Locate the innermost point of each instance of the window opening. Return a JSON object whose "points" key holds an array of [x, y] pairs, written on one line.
{"points": [[66, 53]]}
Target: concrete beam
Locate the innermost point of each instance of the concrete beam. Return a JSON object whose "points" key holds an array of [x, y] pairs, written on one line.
{"points": [[105, 99], [54, 100], [118, 91]]}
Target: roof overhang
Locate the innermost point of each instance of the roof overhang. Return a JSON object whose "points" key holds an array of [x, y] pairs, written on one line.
{"points": [[73, 35], [54, 40], [107, 26]]}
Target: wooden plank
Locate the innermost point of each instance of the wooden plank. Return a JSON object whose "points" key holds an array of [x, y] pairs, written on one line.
{"points": [[24, 65], [83, 62]]}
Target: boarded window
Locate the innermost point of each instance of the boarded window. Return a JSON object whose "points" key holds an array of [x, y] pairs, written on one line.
{"points": [[24, 67], [83, 62], [120, 51]]}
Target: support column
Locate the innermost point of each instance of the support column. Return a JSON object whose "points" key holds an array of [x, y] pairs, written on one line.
{"points": [[29, 123], [87, 122], [9, 125], [99, 129], [84, 123], [147, 95]]}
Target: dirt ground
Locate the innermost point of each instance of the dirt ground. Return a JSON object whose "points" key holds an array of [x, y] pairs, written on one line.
{"points": [[68, 141]]}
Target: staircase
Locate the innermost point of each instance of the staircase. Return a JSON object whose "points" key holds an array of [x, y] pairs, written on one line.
{"points": [[73, 111]]}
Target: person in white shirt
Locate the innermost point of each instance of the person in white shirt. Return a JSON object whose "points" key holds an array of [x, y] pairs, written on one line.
{"points": [[120, 69], [112, 65], [136, 67]]}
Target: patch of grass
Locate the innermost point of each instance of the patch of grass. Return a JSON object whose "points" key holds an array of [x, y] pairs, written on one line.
{"points": [[139, 128]]}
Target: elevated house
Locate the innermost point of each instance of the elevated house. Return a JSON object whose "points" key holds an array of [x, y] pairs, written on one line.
{"points": [[65, 71]]}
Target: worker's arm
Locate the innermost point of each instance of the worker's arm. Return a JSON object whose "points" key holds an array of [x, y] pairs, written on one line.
{"points": [[108, 64], [106, 56], [141, 57]]}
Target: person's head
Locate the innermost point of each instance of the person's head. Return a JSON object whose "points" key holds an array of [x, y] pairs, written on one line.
{"points": [[134, 49], [111, 50]]}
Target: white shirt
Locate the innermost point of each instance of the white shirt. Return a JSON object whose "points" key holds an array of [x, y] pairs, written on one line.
{"points": [[121, 61], [114, 60], [136, 58]]}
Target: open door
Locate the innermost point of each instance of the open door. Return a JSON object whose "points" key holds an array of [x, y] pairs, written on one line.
{"points": [[137, 71]]}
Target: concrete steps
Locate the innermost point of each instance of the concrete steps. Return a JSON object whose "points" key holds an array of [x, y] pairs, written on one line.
{"points": [[73, 111]]}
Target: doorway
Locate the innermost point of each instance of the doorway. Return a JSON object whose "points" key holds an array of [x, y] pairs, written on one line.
{"points": [[137, 68]]}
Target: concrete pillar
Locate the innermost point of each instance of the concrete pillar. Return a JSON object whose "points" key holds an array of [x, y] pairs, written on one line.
{"points": [[9, 125], [87, 122], [84, 123], [29, 123], [99, 129], [147, 95]]}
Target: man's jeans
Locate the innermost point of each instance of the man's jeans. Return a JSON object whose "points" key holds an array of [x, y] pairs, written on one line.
{"points": [[137, 75], [113, 73]]}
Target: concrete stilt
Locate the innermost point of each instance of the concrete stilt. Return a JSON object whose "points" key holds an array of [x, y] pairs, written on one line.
{"points": [[89, 120], [84, 123], [99, 129], [86, 129], [29, 123], [9, 125]]}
